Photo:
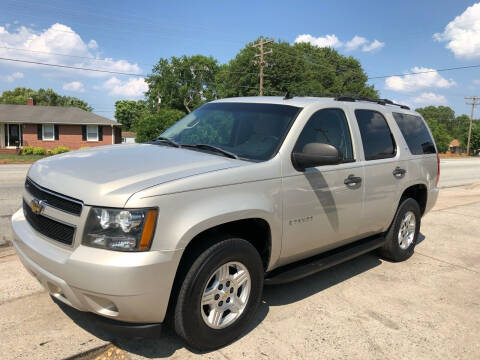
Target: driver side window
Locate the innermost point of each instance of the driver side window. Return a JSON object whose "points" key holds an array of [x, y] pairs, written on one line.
{"points": [[328, 126]]}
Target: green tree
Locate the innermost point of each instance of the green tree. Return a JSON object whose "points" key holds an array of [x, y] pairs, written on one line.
{"points": [[475, 137], [440, 134], [46, 97], [152, 125], [301, 68], [128, 112], [444, 116], [461, 128], [182, 83]]}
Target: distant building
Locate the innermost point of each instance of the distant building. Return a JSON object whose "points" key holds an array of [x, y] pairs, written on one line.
{"points": [[128, 137], [455, 147], [52, 126]]}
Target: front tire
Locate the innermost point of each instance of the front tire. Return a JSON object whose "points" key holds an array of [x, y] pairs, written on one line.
{"points": [[219, 295], [402, 236]]}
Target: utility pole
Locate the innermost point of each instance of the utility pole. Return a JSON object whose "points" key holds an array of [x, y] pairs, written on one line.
{"points": [[473, 103], [262, 53]]}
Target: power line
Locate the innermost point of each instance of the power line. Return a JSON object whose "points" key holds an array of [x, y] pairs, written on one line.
{"points": [[426, 71], [112, 60], [242, 72], [71, 67], [473, 103], [71, 56], [112, 16]]}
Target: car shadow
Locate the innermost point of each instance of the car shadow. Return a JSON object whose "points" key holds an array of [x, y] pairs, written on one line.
{"points": [[166, 343]]}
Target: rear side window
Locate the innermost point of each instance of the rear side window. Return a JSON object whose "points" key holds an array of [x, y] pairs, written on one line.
{"points": [[377, 139], [328, 126], [416, 133]]}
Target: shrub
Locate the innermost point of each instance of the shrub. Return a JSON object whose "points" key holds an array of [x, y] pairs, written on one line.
{"points": [[50, 152], [27, 150], [60, 149], [83, 147], [38, 151]]}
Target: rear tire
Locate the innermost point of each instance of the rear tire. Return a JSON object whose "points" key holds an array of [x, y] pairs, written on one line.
{"points": [[402, 236], [219, 295]]}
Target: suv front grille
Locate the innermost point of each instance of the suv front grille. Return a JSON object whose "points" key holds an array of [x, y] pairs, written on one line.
{"points": [[61, 202], [50, 228]]}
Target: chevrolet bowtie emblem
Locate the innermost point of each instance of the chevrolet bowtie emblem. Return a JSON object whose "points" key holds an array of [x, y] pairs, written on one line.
{"points": [[37, 206]]}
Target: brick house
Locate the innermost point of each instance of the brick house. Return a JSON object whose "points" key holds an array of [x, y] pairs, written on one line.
{"points": [[52, 126]]}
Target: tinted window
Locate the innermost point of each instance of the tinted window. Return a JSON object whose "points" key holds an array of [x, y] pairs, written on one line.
{"points": [[378, 142], [415, 133], [251, 131], [328, 126]]}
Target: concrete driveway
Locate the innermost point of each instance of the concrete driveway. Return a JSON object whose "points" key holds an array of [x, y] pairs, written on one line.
{"points": [[427, 307]]}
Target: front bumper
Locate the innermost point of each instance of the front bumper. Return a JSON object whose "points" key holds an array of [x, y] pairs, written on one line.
{"points": [[130, 287]]}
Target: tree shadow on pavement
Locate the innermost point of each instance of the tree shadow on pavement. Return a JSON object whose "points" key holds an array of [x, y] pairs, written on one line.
{"points": [[167, 342]]}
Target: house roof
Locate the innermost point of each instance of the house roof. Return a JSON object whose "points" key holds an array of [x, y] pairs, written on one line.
{"points": [[27, 114], [129, 134], [454, 142]]}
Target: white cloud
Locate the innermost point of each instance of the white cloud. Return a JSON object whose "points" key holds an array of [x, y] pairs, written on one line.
{"points": [[374, 45], [325, 41], [131, 88], [12, 77], [92, 44], [75, 86], [357, 42], [462, 34], [409, 83], [45, 45], [476, 81], [429, 98]]}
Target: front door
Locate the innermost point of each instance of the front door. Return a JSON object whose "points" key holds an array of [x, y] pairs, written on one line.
{"points": [[14, 136], [322, 209]]}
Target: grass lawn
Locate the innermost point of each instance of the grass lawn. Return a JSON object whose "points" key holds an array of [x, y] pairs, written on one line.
{"points": [[20, 159]]}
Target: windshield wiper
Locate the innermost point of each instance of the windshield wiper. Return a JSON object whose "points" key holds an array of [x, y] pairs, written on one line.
{"points": [[212, 148], [168, 141]]}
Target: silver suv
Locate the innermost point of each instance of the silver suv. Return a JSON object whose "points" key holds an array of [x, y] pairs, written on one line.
{"points": [[240, 193]]}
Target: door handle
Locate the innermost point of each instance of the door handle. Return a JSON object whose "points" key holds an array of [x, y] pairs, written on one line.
{"points": [[399, 172], [352, 179]]}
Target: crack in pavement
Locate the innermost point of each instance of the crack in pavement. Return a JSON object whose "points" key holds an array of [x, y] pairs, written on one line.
{"points": [[455, 206], [446, 262], [22, 297]]}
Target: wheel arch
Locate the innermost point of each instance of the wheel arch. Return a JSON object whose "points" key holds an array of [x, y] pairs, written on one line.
{"points": [[255, 230], [419, 193]]}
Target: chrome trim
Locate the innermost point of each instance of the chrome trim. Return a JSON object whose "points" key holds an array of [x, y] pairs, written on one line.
{"points": [[57, 195]]}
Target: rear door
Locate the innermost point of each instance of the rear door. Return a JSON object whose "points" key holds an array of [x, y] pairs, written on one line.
{"points": [[383, 170]]}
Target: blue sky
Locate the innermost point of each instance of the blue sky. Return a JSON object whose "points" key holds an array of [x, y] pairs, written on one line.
{"points": [[387, 37]]}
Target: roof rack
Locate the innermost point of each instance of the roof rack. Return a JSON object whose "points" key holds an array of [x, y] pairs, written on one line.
{"points": [[354, 98]]}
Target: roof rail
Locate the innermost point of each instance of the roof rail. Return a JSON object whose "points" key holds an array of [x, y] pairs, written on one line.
{"points": [[354, 98]]}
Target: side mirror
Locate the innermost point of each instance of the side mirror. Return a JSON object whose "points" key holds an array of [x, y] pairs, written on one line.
{"points": [[316, 154]]}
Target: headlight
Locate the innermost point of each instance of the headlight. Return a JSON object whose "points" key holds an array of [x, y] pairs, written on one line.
{"points": [[120, 229]]}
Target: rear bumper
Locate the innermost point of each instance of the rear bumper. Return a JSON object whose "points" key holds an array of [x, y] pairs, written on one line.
{"points": [[432, 197], [130, 287]]}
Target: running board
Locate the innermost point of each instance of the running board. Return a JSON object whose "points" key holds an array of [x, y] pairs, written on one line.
{"points": [[323, 261]]}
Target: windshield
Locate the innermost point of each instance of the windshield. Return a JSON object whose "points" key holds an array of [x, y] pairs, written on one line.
{"points": [[250, 131]]}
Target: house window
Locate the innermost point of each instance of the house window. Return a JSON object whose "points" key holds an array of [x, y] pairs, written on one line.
{"points": [[48, 132], [92, 133]]}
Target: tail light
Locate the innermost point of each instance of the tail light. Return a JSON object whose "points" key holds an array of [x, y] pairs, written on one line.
{"points": [[438, 170]]}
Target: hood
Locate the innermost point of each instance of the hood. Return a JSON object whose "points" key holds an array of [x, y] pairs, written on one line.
{"points": [[109, 175]]}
